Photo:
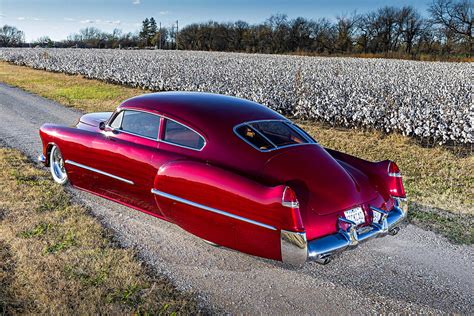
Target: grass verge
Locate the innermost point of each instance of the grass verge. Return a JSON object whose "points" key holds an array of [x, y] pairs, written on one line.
{"points": [[57, 259], [438, 180]]}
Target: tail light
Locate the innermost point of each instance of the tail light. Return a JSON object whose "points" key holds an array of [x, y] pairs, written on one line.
{"points": [[395, 184], [289, 200]]}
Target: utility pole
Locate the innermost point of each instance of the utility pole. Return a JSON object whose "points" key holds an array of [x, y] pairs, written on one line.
{"points": [[160, 35], [176, 36]]}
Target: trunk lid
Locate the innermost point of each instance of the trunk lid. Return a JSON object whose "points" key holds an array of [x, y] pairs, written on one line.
{"points": [[324, 185]]}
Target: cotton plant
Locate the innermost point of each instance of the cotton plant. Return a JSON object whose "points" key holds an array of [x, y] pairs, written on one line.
{"points": [[431, 100]]}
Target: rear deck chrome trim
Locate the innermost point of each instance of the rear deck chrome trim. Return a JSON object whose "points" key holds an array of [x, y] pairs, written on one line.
{"points": [[70, 162], [210, 209]]}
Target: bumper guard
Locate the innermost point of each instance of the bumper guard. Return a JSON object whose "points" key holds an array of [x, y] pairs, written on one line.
{"points": [[296, 250]]}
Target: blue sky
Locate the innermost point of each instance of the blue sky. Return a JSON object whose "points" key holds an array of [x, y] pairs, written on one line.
{"points": [[59, 18]]}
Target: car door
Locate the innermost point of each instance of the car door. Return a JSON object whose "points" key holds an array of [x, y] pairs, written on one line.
{"points": [[127, 147]]}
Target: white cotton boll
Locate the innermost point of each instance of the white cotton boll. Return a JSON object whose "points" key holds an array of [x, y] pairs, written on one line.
{"points": [[432, 100]]}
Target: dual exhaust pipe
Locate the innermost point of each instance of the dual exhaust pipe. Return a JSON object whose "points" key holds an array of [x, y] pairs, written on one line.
{"points": [[328, 258]]}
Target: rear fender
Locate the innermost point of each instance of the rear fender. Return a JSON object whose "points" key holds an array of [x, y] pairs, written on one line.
{"points": [[376, 171], [223, 207]]}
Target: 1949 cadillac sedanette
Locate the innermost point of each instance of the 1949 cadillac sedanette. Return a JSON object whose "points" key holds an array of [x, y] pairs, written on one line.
{"points": [[230, 171]]}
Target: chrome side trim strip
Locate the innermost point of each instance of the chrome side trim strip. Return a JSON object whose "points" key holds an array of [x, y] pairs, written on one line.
{"points": [[70, 162], [210, 209]]}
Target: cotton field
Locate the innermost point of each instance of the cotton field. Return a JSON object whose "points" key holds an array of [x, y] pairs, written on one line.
{"points": [[431, 100]]}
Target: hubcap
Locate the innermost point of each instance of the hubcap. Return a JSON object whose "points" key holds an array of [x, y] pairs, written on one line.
{"points": [[58, 165]]}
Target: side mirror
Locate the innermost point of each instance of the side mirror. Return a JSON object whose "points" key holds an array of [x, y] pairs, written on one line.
{"points": [[102, 126]]}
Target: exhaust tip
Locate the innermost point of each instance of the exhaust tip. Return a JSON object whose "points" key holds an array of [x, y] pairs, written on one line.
{"points": [[325, 260], [394, 231]]}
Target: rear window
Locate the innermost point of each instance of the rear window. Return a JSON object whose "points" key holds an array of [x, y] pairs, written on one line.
{"points": [[266, 135], [181, 135], [253, 137]]}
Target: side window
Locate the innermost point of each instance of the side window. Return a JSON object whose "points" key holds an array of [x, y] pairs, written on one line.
{"points": [[139, 123], [181, 135], [254, 138], [117, 122]]}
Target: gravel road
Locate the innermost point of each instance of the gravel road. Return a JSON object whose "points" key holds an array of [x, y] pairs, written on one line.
{"points": [[415, 272]]}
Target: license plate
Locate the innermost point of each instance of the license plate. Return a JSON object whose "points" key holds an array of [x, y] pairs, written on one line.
{"points": [[356, 215]]}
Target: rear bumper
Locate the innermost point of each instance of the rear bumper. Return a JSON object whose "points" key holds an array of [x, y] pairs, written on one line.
{"points": [[296, 249]]}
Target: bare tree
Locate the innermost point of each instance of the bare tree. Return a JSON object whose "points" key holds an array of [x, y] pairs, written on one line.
{"points": [[345, 26], [409, 26], [11, 36], [300, 34], [43, 41], [280, 32], [455, 16]]}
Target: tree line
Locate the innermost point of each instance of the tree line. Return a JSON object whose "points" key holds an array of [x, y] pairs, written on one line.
{"points": [[446, 30]]}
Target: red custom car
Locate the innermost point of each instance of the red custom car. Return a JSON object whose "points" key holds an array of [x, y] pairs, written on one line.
{"points": [[230, 171]]}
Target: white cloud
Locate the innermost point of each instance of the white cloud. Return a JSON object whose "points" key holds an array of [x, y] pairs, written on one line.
{"points": [[164, 12], [2, 15], [116, 22], [23, 18], [136, 2], [87, 21], [69, 19]]}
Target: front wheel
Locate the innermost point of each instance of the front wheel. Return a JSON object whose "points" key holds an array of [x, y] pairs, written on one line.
{"points": [[56, 165]]}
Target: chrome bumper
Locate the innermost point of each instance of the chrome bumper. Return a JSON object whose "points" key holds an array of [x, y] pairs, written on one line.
{"points": [[296, 250]]}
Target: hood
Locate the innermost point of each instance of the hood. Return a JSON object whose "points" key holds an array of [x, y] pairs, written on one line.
{"points": [[93, 119], [323, 184]]}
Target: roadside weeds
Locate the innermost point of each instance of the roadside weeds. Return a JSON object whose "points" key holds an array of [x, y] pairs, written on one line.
{"points": [[55, 258]]}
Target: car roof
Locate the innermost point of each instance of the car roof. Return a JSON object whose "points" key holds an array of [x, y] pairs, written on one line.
{"points": [[207, 112]]}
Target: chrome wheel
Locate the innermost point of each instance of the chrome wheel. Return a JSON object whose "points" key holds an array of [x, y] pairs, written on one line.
{"points": [[56, 165]]}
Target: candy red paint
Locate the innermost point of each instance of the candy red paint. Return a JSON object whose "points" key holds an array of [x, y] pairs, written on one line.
{"points": [[227, 175]]}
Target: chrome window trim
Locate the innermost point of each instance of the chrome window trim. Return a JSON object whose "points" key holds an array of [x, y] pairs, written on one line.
{"points": [[287, 122], [158, 138], [265, 137], [241, 137], [302, 131], [138, 135], [210, 209], [70, 162], [131, 133]]}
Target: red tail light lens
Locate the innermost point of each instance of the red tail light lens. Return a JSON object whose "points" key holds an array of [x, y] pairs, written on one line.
{"points": [[290, 201], [395, 184], [393, 170], [289, 198]]}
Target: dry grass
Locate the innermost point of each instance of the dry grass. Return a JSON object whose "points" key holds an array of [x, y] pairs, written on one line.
{"points": [[70, 90], [438, 177], [57, 259]]}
